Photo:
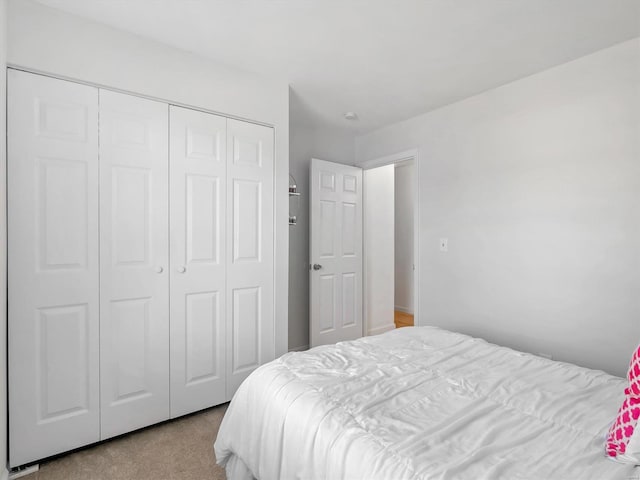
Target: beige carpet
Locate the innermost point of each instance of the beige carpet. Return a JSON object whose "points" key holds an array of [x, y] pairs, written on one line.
{"points": [[178, 450]]}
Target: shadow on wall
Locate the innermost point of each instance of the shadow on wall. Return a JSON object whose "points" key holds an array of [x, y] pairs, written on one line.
{"points": [[307, 139]]}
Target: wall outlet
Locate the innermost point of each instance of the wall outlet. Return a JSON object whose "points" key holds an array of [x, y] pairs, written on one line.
{"points": [[444, 244]]}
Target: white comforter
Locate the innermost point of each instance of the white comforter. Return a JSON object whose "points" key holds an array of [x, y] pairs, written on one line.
{"points": [[421, 403]]}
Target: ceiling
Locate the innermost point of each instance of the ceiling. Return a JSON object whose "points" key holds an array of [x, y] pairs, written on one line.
{"points": [[385, 60]]}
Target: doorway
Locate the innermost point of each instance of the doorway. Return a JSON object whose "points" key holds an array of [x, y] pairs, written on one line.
{"points": [[403, 245], [389, 237], [353, 247]]}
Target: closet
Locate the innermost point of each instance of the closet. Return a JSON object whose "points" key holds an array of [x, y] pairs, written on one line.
{"points": [[140, 261]]}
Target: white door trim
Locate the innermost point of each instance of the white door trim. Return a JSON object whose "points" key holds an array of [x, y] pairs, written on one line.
{"points": [[399, 157], [389, 159]]}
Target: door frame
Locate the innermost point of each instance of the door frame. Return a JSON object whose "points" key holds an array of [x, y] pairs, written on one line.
{"points": [[395, 158]]}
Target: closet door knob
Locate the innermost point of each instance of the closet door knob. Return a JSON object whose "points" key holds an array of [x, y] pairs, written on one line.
{"points": [[159, 269], [181, 269]]}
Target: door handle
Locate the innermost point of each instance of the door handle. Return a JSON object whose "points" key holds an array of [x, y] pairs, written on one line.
{"points": [[317, 266], [159, 269], [181, 269]]}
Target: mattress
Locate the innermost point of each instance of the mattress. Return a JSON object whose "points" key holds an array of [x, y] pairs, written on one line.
{"points": [[421, 403]]}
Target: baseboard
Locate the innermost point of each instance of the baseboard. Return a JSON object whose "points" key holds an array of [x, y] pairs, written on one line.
{"points": [[21, 473], [382, 329], [403, 309], [301, 348]]}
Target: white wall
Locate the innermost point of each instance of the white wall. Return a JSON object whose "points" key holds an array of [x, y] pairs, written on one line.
{"points": [[404, 220], [537, 186], [378, 239], [50, 41], [3, 242], [306, 143]]}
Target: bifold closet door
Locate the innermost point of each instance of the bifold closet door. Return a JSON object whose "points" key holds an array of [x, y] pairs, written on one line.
{"points": [[197, 169], [134, 263], [250, 268], [52, 266]]}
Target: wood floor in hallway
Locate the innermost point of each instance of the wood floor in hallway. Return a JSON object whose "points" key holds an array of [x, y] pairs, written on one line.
{"points": [[403, 319]]}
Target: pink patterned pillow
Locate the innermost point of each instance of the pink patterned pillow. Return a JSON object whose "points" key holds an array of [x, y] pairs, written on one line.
{"points": [[626, 423]]}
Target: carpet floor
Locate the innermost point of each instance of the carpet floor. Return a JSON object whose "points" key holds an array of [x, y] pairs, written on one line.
{"points": [[181, 449]]}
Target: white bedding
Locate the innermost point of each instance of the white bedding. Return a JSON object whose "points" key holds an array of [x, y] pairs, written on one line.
{"points": [[421, 403]]}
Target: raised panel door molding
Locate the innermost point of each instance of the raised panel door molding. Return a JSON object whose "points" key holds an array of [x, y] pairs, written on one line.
{"points": [[246, 323], [327, 228], [205, 144], [129, 342], [247, 220], [202, 215], [328, 295], [62, 194], [63, 343], [203, 337], [131, 216], [247, 150], [129, 130], [61, 120]]}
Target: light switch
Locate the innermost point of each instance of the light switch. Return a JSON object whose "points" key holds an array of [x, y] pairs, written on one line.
{"points": [[444, 244]]}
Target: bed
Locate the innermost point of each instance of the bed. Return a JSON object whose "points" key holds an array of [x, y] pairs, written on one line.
{"points": [[420, 403]]}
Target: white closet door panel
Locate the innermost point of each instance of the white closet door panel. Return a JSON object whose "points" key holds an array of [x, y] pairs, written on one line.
{"points": [[250, 331], [52, 266], [134, 259], [198, 209]]}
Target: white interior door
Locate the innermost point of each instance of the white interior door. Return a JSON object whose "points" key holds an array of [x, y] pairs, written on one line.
{"points": [[198, 159], [52, 266], [134, 260], [250, 269], [336, 252]]}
